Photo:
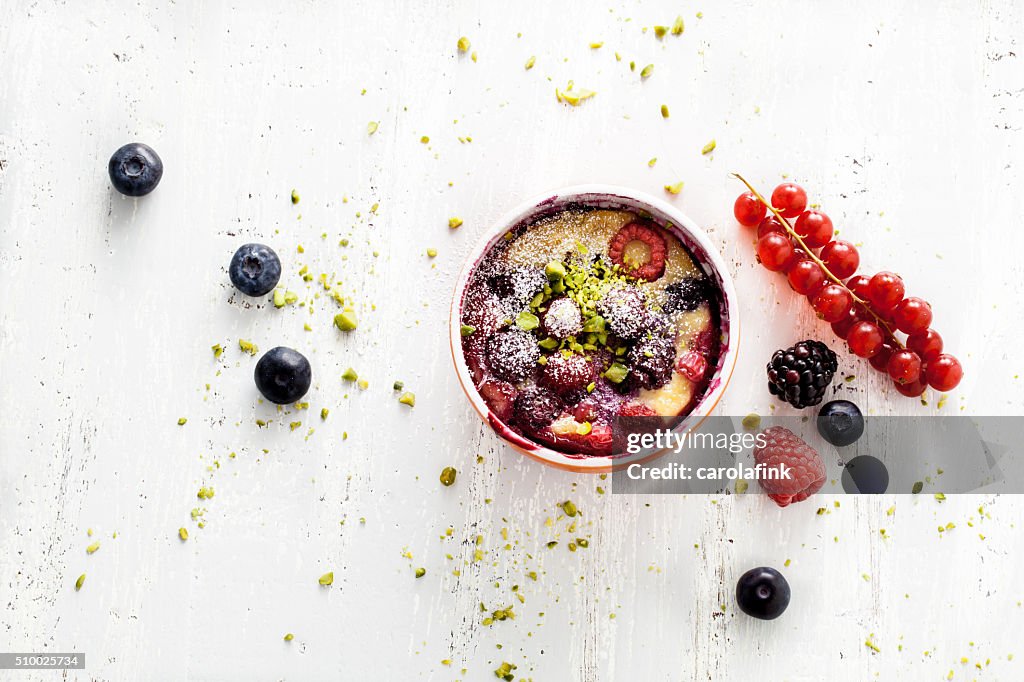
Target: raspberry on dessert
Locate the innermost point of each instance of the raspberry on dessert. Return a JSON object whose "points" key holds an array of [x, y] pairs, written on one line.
{"points": [[516, 286], [563, 318], [651, 362], [686, 294], [500, 397], [512, 354], [806, 469], [625, 311], [692, 365], [800, 374], [535, 408], [567, 373], [640, 250]]}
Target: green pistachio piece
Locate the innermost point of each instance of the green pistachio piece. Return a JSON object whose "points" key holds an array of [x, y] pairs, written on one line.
{"points": [[183, 533], [407, 398], [91, 549], [327, 578], [289, 637], [555, 271], [448, 476], [467, 330], [527, 321], [349, 375], [569, 508], [548, 343], [398, 385], [594, 324], [616, 373], [420, 572], [345, 321], [79, 582]]}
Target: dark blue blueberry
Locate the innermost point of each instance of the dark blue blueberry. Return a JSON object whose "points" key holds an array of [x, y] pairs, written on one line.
{"points": [[840, 422], [135, 169], [283, 375], [865, 475], [255, 269], [762, 593]]}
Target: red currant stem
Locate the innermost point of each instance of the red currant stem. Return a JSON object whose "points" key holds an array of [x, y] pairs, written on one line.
{"points": [[824, 268]]}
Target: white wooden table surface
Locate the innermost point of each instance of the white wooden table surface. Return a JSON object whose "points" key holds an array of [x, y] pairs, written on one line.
{"points": [[903, 120]]}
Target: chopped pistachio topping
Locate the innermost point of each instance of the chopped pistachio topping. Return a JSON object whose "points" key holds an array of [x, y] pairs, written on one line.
{"points": [[327, 578], [407, 398], [530, 62], [616, 373], [463, 44], [454, 222], [183, 533], [555, 271], [647, 71], [467, 330], [289, 637], [349, 375], [345, 321], [79, 582], [182, 421], [674, 189], [420, 572], [371, 127], [678, 27], [527, 321], [91, 549], [664, 111], [295, 197], [248, 347], [708, 148], [448, 476]]}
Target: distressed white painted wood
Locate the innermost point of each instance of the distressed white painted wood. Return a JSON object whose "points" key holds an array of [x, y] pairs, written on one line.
{"points": [[903, 120]]}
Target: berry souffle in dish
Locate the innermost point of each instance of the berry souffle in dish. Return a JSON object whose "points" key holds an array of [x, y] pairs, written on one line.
{"points": [[587, 305]]}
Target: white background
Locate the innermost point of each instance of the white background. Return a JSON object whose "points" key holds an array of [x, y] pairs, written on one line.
{"points": [[903, 120]]}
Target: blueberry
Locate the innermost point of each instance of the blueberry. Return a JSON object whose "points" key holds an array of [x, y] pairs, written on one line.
{"points": [[283, 375], [865, 475], [840, 422], [762, 593], [135, 169], [255, 269]]}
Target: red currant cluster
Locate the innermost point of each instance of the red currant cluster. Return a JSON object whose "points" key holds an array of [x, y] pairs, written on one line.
{"points": [[864, 311]]}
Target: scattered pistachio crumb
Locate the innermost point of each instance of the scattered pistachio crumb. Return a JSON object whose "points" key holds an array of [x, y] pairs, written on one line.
{"points": [[678, 26], [709, 147], [597, 45], [398, 385], [295, 196], [79, 582], [349, 375], [569, 508], [741, 486], [425, 139], [664, 111], [654, 160], [448, 476], [91, 549], [674, 189], [408, 398], [530, 62], [327, 578], [324, 412], [217, 349], [345, 321], [454, 222], [182, 421], [660, 31], [183, 533], [248, 347], [647, 71], [289, 637], [371, 127], [752, 421], [420, 572], [432, 253], [918, 487], [463, 44]]}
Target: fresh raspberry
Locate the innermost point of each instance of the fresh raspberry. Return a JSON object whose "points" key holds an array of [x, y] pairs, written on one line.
{"points": [[536, 408], [806, 469], [499, 396], [692, 365], [512, 354], [567, 374], [650, 362], [649, 235]]}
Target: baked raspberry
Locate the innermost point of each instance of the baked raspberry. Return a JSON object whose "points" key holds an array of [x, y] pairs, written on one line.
{"points": [[562, 318], [650, 362], [499, 396], [625, 311], [567, 373], [512, 354], [536, 408], [516, 286], [806, 469], [639, 249], [692, 365], [636, 410], [686, 294]]}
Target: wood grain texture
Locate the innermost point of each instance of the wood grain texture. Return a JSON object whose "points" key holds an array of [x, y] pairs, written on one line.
{"points": [[903, 120]]}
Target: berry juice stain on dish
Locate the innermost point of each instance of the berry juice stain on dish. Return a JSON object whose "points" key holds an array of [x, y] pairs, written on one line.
{"points": [[584, 316]]}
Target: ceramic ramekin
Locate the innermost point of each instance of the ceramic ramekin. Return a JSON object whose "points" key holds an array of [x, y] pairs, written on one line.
{"points": [[610, 197]]}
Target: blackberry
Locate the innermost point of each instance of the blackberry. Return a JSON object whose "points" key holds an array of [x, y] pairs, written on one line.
{"points": [[686, 294], [650, 362], [625, 311], [512, 354], [516, 286], [800, 374], [536, 408]]}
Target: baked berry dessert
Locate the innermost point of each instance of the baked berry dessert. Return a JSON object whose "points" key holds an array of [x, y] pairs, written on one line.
{"points": [[583, 316]]}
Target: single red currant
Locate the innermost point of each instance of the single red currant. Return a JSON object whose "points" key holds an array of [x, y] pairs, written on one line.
{"points": [[944, 373], [806, 277], [841, 258], [904, 367], [865, 339], [775, 251], [843, 326], [911, 390], [832, 303], [858, 284], [814, 227], [927, 344], [770, 224], [789, 199], [912, 315], [880, 361], [885, 290], [748, 209]]}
